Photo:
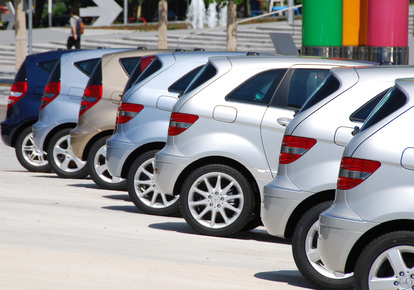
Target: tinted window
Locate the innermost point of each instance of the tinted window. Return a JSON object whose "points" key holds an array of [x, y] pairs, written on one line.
{"points": [[87, 66], [180, 85], [362, 113], [151, 69], [96, 76], [129, 63], [206, 73], [302, 84], [328, 87], [133, 77], [48, 65], [259, 89], [55, 74], [21, 74], [392, 101]]}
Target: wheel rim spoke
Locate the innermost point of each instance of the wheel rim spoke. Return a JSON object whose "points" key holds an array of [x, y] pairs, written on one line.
{"points": [[206, 210], [382, 283], [197, 203], [396, 260], [313, 255], [201, 192], [65, 164], [100, 169], [142, 182]]}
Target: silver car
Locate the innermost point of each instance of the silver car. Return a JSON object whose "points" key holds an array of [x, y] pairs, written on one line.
{"points": [[225, 135], [98, 110], [59, 110], [143, 124], [309, 161], [369, 228]]}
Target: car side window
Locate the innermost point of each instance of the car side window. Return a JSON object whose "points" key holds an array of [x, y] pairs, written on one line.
{"points": [[87, 66], [302, 84], [48, 66], [129, 63], [390, 103], [259, 89], [180, 85], [362, 113]]}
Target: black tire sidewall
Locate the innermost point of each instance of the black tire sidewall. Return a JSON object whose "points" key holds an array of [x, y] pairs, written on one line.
{"points": [[90, 163], [299, 251], [166, 211], [248, 207], [374, 249], [19, 154], [81, 173]]}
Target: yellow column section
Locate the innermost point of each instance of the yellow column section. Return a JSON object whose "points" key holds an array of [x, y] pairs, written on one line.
{"points": [[351, 22]]}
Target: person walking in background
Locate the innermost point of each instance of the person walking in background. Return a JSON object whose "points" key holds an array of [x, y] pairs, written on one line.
{"points": [[76, 27]]}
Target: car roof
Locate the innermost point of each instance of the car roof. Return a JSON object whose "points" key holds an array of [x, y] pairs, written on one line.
{"points": [[131, 53], [78, 55], [191, 55], [286, 60]]}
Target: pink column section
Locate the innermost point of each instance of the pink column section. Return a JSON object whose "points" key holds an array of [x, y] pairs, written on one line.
{"points": [[388, 23]]}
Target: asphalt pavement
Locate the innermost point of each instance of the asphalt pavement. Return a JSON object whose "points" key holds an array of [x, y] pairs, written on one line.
{"points": [[69, 234]]}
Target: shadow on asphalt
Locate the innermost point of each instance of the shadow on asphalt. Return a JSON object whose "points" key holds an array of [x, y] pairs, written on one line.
{"points": [[258, 234], [292, 277]]}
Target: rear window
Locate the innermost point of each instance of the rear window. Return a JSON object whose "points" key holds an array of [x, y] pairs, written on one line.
{"points": [[362, 113], [154, 66], [129, 63], [87, 66], [392, 101], [180, 85], [48, 66], [96, 76], [328, 87], [259, 89], [21, 74], [207, 72]]}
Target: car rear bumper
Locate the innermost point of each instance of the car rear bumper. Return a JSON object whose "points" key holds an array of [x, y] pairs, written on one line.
{"points": [[167, 170], [277, 207]]}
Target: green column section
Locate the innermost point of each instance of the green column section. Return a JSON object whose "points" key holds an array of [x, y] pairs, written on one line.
{"points": [[322, 23]]}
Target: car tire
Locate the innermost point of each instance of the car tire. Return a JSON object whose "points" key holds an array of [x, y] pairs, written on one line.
{"points": [[305, 252], [61, 158], [143, 191], [98, 170], [28, 155], [217, 209], [387, 260]]}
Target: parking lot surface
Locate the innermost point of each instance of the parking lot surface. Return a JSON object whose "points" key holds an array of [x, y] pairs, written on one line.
{"points": [[66, 233]]}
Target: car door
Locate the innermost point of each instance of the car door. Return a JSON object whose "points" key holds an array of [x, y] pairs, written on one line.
{"points": [[298, 84]]}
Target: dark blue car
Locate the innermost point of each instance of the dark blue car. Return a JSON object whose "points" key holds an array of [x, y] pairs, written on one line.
{"points": [[23, 108]]}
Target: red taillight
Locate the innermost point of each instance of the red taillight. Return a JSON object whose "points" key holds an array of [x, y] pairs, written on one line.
{"points": [[127, 111], [180, 122], [145, 61], [354, 171], [52, 90], [17, 91], [294, 147], [91, 96]]}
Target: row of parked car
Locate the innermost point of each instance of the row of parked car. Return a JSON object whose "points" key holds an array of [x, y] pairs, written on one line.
{"points": [[233, 140]]}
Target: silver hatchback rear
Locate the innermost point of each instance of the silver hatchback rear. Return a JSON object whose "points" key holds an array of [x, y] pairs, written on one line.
{"points": [[309, 161], [224, 136], [369, 228]]}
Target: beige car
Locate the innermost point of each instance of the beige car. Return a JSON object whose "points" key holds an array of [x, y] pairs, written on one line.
{"points": [[97, 114]]}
